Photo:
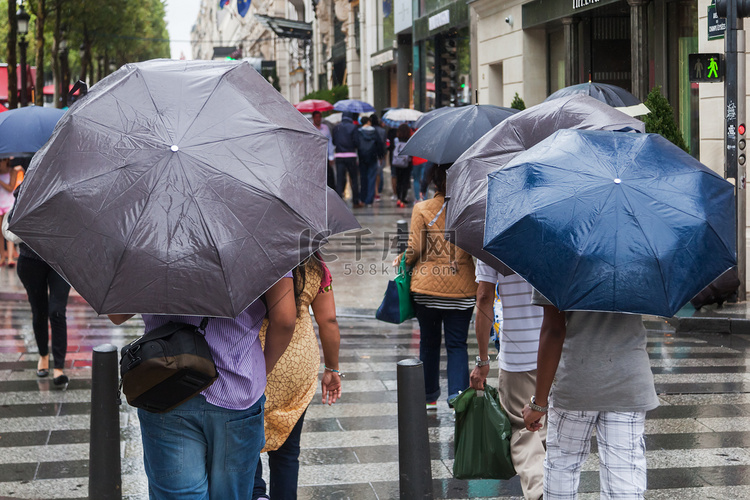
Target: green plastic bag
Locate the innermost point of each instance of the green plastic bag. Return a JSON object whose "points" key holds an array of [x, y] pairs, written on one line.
{"points": [[482, 440], [397, 305]]}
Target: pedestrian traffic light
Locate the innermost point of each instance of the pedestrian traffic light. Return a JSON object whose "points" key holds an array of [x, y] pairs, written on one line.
{"points": [[743, 8], [448, 72], [741, 144]]}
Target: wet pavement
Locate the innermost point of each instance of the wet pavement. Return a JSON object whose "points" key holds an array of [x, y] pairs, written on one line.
{"points": [[697, 440]]}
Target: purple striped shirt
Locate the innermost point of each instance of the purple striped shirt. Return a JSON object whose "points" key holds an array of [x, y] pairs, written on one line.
{"points": [[237, 353]]}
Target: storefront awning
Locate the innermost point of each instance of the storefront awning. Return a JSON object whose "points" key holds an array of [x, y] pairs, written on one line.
{"points": [[286, 28]]}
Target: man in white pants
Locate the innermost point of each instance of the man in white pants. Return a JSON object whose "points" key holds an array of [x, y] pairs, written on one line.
{"points": [[602, 380], [519, 340]]}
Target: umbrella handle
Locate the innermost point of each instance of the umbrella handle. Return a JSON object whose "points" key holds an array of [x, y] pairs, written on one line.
{"points": [[79, 85]]}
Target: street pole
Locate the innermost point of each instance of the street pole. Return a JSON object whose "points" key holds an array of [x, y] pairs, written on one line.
{"points": [[22, 45], [734, 112], [740, 184]]}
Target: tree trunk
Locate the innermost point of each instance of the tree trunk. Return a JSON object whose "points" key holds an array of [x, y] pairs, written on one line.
{"points": [[12, 41], [56, 77], [41, 15]]}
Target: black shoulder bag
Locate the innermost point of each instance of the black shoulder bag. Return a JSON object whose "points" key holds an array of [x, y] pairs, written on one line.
{"points": [[167, 366]]}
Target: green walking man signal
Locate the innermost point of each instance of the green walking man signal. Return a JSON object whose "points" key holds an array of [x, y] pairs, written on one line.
{"points": [[706, 67]]}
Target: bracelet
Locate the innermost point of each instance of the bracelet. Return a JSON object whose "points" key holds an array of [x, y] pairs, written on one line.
{"points": [[334, 371], [536, 407]]}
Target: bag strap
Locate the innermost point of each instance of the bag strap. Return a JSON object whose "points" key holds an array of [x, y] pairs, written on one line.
{"points": [[437, 216], [169, 328]]}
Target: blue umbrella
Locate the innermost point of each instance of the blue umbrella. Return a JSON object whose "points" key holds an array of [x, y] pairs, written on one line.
{"points": [[611, 221], [353, 106], [25, 130], [611, 94]]}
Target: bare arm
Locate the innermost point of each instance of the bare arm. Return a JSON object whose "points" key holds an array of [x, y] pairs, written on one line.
{"points": [[119, 319], [551, 340], [324, 308], [483, 323], [282, 314], [11, 185]]}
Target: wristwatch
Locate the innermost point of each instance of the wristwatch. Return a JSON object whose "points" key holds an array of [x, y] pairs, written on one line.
{"points": [[536, 407], [479, 362]]}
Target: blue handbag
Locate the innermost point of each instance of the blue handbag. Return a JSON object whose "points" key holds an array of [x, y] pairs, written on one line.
{"points": [[397, 305]]}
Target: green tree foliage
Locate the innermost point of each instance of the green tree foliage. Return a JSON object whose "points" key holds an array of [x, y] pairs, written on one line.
{"points": [[118, 31], [661, 119], [337, 93], [517, 103]]}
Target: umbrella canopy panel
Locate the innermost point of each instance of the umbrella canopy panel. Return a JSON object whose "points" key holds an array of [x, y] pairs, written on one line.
{"points": [[177, 187], [467, 178], [609, 221]]}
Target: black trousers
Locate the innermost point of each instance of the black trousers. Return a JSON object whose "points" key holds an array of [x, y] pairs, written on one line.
{"points": [[403, 181], [37, 277], [344, 166]]}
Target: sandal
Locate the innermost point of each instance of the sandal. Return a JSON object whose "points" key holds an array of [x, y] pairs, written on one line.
{"points": [[11, 263]]}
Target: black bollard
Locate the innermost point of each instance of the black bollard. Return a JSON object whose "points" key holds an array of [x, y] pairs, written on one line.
{"points": [[105, 480], [414, 466], [402, 235]]}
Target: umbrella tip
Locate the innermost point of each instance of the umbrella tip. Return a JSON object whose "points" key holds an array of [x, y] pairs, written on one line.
{"points": [[175, 148]]}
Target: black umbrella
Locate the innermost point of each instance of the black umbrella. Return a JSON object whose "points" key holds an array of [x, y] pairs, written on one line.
{"points": [[467, 178], [615, 96], [177, 187], [444, 138]]}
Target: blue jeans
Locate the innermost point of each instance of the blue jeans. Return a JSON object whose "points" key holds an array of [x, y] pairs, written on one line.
{"points": [[368, 173], [284, 465], [201, 451], [416, 172], [455, 322]]}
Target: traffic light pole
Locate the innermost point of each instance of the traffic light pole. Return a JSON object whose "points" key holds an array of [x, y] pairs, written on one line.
{"points": [[740, 184], [734, 111]]}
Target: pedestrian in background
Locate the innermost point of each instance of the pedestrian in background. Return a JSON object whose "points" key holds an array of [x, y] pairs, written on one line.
{"points": [[317, 119], [401, 165], [370, 146], [8, 183], [345, 141], [375, 122], [291, 384], [208, 447], [510, 297], [444, 293], [47, 294], [392, 132], [417, 172], [602, 380]]}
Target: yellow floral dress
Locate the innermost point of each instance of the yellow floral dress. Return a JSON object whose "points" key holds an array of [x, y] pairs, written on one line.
{"points": [[292, 382]]}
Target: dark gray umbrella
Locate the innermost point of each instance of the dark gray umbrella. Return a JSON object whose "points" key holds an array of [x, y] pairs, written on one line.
{"points": [[610, 94], [444, 138], [340, 218], [177, 187], [467, 178], [430, 115]]}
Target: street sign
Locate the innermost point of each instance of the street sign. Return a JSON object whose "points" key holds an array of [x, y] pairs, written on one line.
{"points": [[716, 25], [706, 67]]}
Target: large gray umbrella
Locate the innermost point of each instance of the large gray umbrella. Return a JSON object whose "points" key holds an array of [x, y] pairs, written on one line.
{"points": [[467, 178], [177, 187], [445, 137]]}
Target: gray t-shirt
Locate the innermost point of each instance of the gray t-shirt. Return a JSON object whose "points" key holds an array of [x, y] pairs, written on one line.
{"points": [[604, 364]]}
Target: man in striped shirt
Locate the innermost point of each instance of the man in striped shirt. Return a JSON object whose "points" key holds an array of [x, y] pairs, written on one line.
{"points": [[208, 447], [519, 342]]}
